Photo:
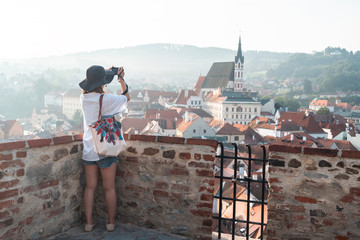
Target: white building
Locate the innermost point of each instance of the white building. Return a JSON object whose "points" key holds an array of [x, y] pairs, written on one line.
{"points": [[194, 126], [71, 103], [53, 99]]}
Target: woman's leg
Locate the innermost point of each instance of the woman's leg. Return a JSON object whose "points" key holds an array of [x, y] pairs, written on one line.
{"points": [[91, 174], [108, 179]]}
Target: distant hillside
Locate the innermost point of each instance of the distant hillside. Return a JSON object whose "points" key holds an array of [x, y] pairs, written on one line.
{"points": [[178, 65], [334, 69]]}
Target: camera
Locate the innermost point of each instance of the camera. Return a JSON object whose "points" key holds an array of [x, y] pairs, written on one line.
{"points": [[115, 70]]}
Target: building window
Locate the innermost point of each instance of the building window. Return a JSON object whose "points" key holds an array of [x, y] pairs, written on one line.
{"points": [[249, 109], [245, 109], [226, 138], [255, 109], [236, 116], [192, 103], [227, 109], [204, 131], [194, 130], [249, 116], [244, 116], [232, 109], [236, 138], [240, 116], [232, 116]]}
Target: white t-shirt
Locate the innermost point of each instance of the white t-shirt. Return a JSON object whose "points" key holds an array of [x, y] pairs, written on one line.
{"points": [[111, 105]]}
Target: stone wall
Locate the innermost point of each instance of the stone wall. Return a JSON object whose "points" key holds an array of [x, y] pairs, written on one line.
{"points": [[40, 191], [163, 183], [166, 183], [314, 194]]}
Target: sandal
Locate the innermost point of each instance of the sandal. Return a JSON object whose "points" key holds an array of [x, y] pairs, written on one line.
{"points": [[89, 227], [110, 227]]}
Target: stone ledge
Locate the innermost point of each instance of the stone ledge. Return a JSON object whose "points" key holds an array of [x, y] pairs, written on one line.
{"points": [[314, 151], [282, 148], [34, 143]]}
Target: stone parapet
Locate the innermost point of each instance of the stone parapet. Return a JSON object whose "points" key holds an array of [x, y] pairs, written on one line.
{"points": [[40, 191], [314, 194], [162, 182], [167, 184]]}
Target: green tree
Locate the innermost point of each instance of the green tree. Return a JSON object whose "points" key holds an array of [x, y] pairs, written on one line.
{"points": [[77, 119], [323, 110]]}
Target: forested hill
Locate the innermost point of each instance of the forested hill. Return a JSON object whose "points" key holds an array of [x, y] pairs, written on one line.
{"points": [[334, 69]]}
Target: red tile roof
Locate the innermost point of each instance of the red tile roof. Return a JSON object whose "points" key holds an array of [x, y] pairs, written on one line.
{"points": [[321, 102], [251, 136], [199, 84], [344, 105], [228, 129], [162, 114], [292, 120], [184, 125], [184, 96], [343, 145], [137, 124]]}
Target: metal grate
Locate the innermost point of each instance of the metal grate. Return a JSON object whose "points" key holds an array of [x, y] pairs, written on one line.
{"points": [[231, 223]]}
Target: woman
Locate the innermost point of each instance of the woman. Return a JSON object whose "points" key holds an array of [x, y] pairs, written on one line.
{"points": [[93, 87]]}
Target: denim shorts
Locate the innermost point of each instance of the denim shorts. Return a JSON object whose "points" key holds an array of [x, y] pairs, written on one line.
{"points": [[102, 163]]}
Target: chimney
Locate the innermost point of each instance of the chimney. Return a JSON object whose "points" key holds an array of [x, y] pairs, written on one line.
{"points": [[249, 93], [292, 137], [304, 138], [243, 92], [186, 93]]}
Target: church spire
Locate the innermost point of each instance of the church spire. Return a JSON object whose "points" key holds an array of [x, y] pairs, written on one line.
{"points": [[239, 53]]}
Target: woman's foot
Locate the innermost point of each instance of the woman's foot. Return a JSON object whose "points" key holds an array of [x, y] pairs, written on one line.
{"points": [[110, 226], [89, 227]]}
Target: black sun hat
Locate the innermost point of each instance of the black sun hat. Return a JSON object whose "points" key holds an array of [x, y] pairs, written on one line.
{"points": [[96, 76]]}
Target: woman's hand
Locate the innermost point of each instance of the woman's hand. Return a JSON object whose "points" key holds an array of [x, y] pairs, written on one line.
{"points": [[121, 72]]}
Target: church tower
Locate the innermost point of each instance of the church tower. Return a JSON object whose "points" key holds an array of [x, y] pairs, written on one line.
{"points": [[239, 70]]}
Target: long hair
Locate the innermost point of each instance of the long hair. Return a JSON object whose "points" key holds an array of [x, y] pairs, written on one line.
{"points": [[98, 90]]}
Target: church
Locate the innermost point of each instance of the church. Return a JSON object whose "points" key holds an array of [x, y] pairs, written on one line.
{"points": [[223, 92]]}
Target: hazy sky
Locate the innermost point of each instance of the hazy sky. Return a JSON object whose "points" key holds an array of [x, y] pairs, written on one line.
{"points": [[48, 27]]}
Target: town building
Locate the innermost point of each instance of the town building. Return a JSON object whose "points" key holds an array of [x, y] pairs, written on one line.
{"points": [[316, 104], [53, 99], [232, 107], [71, 103], [11, 129], [193, 126]]}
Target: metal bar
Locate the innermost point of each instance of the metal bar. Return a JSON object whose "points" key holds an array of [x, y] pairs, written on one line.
{"points": [[248, 193], [237, 220], [240, 200], [234, 192], [263, 192], [221, 185], [241, 179]]}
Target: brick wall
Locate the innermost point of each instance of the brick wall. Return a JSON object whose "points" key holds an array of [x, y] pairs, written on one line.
{"points": [[166, 183], [162, 182], [314, 194], [40, 191]]}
